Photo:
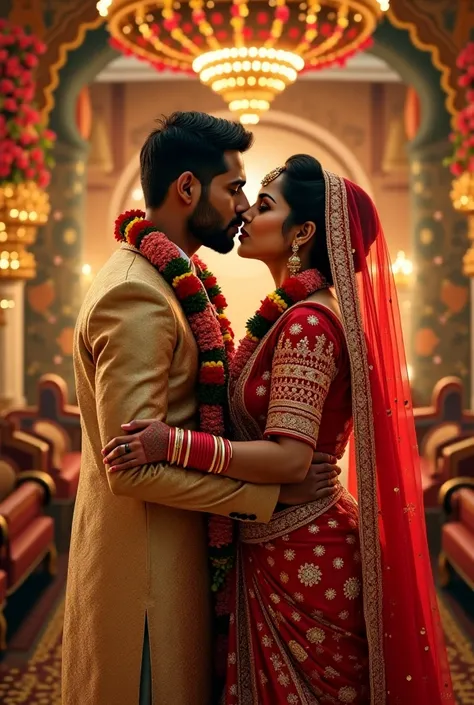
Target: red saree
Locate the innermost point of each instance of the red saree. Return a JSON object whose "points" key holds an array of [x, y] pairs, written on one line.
{"points": [[335, 603]]}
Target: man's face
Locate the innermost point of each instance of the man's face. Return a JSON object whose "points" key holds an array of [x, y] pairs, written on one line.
{"points": [[217, 217]]}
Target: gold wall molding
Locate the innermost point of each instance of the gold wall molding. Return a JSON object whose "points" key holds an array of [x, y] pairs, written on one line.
{"points": [[425, 22], [71, 20]]}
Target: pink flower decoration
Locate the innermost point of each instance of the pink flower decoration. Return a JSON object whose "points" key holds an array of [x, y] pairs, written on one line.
{"points": [[10, 105], [6, 86], [206, 329], [153, 249], [282, 13], [44, 179], [221, 531], [30, 60], [212, 419], [37, 155], [456, 169], [217, 18], [25, 42]]}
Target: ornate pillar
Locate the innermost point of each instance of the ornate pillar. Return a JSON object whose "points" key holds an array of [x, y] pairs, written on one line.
{"points": [[22, 207], [11, 343], [441, 297], [54, 297], [462, 196]]}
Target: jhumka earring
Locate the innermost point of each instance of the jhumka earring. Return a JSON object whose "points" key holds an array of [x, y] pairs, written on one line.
{"points": [[294, 263]]}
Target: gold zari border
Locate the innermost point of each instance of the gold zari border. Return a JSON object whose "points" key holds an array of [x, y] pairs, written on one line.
{"points": [[342, 267]]}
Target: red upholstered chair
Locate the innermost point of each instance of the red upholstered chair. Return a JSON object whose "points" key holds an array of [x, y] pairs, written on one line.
{"points": [[3, 621], [58, 424], [26, 532], [457, 459], [457, 539], [437, 426], [432, 468]]}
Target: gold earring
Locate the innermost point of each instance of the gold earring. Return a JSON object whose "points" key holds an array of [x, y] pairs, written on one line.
{"points": [[294, 263]]}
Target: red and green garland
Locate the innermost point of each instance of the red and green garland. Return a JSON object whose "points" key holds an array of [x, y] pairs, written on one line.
{"points": [[215, 340], [293, 290]]}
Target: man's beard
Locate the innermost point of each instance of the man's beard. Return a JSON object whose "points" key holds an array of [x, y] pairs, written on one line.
{"points": [[206, 225]]}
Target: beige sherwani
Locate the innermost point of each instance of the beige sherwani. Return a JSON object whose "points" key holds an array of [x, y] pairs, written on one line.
{"points": [[138, 549]]}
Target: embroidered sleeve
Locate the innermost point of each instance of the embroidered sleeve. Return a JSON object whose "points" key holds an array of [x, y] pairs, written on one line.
{"points": [[303, 368]]}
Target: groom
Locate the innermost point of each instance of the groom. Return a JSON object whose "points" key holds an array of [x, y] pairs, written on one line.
{"points": [[138, 623]]}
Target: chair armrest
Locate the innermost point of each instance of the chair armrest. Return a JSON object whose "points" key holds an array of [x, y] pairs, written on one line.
{"points": [[458, 451], [18, 510], [41, 478], [450, 488], [4, 536]]}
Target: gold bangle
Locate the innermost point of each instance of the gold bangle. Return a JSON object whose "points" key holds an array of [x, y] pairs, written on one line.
{"points": [[169, 453], [180, 445], [211, 468], [173, 456], [219, 456], [222, 459], [176, 446], [188, 449]]}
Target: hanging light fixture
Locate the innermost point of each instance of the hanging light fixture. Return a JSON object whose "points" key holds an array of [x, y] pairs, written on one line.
{"points": [[247, 51]]}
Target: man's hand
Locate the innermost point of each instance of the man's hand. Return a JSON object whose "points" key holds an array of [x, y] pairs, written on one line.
{"points": [[321, 481]]}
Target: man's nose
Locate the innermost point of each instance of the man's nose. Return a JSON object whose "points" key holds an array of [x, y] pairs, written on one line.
{"points": [[242, 205], [247, 215]]}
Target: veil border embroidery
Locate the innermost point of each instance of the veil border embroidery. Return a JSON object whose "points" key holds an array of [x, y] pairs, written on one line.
{"points": [[342, 266]]}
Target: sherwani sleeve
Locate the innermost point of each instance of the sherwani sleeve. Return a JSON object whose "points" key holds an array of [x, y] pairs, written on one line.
{"points": [[131, 336], [303, 368]]}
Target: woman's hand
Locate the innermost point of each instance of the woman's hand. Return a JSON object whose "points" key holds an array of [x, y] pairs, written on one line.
{"points": [[146, 442]]}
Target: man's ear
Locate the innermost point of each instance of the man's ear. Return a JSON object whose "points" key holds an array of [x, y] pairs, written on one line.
{"points": [[188, 188]]}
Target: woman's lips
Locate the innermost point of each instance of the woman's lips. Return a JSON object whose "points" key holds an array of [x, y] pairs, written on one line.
{"points": [[243, 235]]}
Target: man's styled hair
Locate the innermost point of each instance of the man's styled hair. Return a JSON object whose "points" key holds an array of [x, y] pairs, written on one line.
{"points": [[187, 141]]}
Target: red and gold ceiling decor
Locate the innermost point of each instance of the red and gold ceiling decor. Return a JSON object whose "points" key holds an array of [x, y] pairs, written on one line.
{"points": [[247, 51]]}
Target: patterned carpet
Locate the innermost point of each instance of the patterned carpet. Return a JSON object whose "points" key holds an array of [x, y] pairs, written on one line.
{"points": [[37, 682]]}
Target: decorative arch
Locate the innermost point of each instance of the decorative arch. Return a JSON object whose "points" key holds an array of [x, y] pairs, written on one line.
{"points": [[425, 38]]}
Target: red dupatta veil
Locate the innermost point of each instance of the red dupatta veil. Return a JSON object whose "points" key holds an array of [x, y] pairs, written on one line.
{"points": [[408, 661]]}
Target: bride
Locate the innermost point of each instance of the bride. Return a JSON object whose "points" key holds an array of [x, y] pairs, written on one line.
{"points": [[331, 602]]}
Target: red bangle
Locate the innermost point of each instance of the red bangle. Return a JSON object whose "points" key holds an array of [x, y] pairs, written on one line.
{"points": [[199, 451]]}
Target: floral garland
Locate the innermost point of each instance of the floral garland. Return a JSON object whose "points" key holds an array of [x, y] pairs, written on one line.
{"points": [[26, 143], [293, 290], [462, 159], [215, 340]]}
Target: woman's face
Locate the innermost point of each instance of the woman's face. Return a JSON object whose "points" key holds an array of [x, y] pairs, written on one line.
{"points": [[262, 235]]}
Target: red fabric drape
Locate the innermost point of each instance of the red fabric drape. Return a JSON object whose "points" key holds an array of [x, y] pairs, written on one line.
{"points": [[406, 645]]}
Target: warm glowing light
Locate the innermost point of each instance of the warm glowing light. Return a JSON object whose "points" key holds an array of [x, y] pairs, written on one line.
{"points": [[193, 37], [248, 78], [86, 270], [7, 303], [402, 269], [103, 7], [137, 194]]}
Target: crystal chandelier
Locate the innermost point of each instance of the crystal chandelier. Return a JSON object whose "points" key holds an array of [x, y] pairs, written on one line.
{"points": [[247, 51]]}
